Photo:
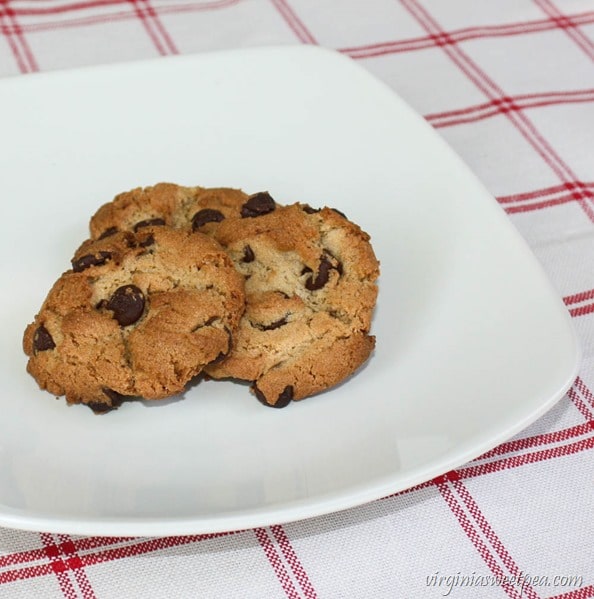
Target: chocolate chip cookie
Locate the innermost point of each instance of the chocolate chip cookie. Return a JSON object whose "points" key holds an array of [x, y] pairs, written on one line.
{"points": [[139, 314], [310, 282], [310, 279], [167, 204]]}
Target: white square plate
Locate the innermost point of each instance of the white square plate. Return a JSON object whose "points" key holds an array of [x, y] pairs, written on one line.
{"points": [[472, 342]]}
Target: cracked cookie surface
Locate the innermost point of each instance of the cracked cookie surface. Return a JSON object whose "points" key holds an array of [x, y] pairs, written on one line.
{"points": [[310, 278], [139, 314], [198, 208]]}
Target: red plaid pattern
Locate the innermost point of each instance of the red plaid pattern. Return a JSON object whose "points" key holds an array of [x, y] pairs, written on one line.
{"points": [[510, 85]]}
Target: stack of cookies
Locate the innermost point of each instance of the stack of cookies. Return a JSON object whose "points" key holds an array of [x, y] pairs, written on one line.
{"points": [[177, 281]]}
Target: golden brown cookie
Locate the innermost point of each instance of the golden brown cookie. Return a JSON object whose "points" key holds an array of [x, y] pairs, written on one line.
{"points": [[139, 314], [311, 290], [310, 282]]}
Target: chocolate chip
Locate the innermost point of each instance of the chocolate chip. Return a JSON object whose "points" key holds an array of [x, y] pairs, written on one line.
{"points": [[323, 274], [108, 232], [115, 397], [257, 205], [206, 215], [248, 254], [130, 239], [149, 222], [148, 240], [321, 277], [127, 304], [100, 407], [283, 400], [285, 397], [89, 260], [42, 340], [270, 327], [309, 210]]}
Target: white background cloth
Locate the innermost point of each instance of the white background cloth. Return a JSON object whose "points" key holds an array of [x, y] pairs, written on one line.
{"points": [[510, 85]]}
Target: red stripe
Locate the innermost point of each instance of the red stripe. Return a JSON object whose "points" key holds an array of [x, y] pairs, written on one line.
{"points": [[84, 584], [459, 35], [503, 105], [53, 550], [87, 543], [294, 22], [545, 191], [148, 26], [583, 593], [492, 91], [160, 29], [21, 557], [469, 68], [16, 42], [579, 297], [12, 43], [563, 23], [74, 562], [518, 445], [491, 536], [579, 192], [25, 573], [14, 48], [80, 6], [51, 10], [476, 540], [528, 458], [276, 563], [59, 567], [18, 32], [293, 561], [585, 391], [522, 444], [538, 440], [394, 47], [144, 547], [520, 588], [578, 402], [544, 204], [582, 310], [116, 16], [582, 398]]}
